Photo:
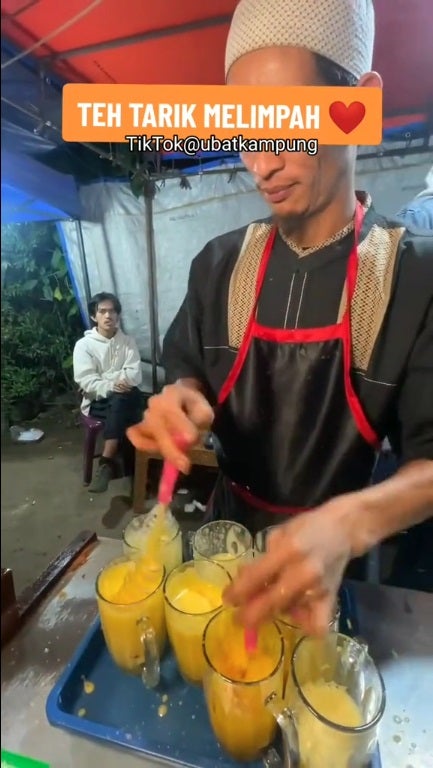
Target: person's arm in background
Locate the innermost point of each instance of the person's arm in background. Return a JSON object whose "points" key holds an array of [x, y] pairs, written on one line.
{"points": [[86, 376], [175, 417], [418, 215], [132, 369]]}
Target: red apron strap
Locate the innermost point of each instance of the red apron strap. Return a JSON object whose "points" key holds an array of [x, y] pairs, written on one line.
{"points": [[263, 506]]}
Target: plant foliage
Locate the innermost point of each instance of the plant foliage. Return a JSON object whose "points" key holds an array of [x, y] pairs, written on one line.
{"points": [[40, 318]]}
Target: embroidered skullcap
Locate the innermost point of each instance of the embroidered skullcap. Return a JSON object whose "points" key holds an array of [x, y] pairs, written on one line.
{"points": [[341, 30]]}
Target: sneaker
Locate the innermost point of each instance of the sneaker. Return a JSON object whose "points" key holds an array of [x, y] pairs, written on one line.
{"points": [[102, 477]]}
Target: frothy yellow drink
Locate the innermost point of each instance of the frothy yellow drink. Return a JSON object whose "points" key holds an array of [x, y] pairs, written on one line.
{"points": [[196, 596], [240, 666], [130, 599], [237, 685], [156, 535], [320, 745], [192, 595], [292, 634], [231, 562], [223, 557]]}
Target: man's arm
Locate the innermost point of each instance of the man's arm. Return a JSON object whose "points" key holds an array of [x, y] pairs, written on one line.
{"points": [[132, 368], [86, 376], [306, 557], [406, 498], [398, 503]]}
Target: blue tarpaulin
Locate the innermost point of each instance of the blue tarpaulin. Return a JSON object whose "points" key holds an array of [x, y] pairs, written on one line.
{"points": [[33, 192]]}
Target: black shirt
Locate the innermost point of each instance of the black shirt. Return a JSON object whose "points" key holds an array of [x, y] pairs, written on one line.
{"points": [[395, 388]]}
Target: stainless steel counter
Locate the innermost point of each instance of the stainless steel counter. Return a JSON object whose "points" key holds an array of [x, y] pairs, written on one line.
{"points": [[398, 624]]}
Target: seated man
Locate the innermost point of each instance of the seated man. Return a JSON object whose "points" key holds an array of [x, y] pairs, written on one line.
{"points": [[107, 369]]}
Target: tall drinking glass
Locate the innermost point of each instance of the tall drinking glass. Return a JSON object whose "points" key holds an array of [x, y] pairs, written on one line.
{"points": [[225, 542], [193, 594], [131, 608], [237, 684], [338, 704], [138, 538]]}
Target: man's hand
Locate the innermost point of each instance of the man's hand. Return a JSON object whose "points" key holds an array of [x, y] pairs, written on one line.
{"points": [[301, 571], [174, 417], [303, 568], [122, 386]]}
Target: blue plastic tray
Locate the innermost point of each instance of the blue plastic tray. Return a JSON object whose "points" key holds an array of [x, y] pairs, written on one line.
{"points": [[122, 712]]}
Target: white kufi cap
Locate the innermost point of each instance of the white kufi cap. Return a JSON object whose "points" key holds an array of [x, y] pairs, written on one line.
{"points": [[341, 30]]}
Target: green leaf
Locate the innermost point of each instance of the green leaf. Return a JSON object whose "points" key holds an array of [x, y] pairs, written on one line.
{"points": [[58, 294], [68, 363], [47, 292], [29, 285], [57, 260]]}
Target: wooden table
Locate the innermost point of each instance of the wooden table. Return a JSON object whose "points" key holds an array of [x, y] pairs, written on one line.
{"points": [[200, 456]]}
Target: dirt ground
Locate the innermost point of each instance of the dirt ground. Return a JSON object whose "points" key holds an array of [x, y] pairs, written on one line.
{"points": [[44, 504]]}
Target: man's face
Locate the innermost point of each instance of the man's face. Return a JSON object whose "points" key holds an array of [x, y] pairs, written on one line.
{"points": [[106, 316], [294, 184]]}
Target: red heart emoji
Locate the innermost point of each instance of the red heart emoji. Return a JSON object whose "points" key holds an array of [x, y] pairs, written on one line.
{"points": [[347, 118]]}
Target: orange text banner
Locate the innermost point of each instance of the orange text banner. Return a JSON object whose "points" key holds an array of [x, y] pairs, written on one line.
{"points": [[110, 113]]}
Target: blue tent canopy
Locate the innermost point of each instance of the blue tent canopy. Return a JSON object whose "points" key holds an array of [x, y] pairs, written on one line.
{"points": [[33, 192]]}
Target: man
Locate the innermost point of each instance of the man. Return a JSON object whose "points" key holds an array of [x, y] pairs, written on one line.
{"points": [[107, 369], [418, 213], [305, 340]]}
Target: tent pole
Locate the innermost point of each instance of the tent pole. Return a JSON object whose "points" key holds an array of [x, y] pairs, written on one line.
{"points": [[151, 265], [83, 261]]}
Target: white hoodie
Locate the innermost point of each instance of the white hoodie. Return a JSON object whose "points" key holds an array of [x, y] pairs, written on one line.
{"points": [[100, 362]]}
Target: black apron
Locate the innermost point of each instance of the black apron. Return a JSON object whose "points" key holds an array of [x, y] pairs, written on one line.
{"points": [[290, 431]]}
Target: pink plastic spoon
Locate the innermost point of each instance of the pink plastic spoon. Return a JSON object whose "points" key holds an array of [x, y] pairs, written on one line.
{"points": [[168, 480], [169, 476], [251, 640]]}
